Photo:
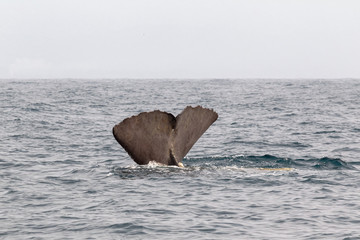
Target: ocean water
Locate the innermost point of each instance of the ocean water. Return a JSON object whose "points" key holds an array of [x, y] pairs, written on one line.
{"points": [[281, 162]]}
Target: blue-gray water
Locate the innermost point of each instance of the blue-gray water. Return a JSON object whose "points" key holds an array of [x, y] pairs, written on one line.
{"points": [[63, 175]]}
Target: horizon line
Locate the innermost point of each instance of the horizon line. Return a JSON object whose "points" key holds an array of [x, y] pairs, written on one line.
{"points": [[190, 78]]}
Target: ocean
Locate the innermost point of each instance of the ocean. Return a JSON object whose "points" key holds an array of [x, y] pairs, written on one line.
{"points": [[281, 161]]}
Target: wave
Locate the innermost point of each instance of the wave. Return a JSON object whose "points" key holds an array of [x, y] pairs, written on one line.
{"points": [[246, 164], [273, 162]]}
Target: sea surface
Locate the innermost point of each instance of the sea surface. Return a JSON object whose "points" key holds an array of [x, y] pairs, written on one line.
{"points": [[281, 162]]}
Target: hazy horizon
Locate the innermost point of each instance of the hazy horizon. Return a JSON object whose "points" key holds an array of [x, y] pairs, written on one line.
{"points": [[168, 39]]}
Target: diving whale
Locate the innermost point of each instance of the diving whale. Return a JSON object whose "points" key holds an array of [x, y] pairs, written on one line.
{"points": [[159, 136]]}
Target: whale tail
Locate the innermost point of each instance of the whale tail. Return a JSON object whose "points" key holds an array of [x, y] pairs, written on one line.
{"points": [[160, 137]]}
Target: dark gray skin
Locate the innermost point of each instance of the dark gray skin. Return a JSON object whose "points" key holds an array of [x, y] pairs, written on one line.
{"points": [[160, 137]]}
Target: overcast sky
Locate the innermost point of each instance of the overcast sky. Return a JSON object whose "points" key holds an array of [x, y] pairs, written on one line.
{"points": [[180, 39]]}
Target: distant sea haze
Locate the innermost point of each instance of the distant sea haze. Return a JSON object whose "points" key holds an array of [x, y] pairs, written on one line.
{"points": [[280, 162]]}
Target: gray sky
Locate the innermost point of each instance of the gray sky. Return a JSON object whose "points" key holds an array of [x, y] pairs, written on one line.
{"points": [[180, 39]]}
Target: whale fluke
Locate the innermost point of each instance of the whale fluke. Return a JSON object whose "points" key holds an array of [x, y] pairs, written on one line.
{"points": [[160, 137]]}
